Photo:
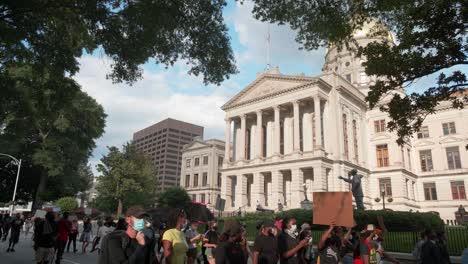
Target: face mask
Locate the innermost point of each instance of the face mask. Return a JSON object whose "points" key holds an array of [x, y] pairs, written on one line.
{"points": [[293, 228], [138, 224]]}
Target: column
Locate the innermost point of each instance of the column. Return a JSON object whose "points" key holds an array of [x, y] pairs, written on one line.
{"points": [[277, 139], [226, 190], [319, 179], [318, 123], [297, 134], [242, 138], [241, 191], [258, 189], [297, 187], [277, 189], [227, 148], [259, 140]]}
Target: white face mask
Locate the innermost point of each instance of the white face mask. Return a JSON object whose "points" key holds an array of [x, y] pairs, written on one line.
{"points": [[293, 228]]}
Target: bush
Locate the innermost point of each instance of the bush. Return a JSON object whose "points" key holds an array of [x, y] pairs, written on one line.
{"points": [[394, 220], [67, 204]]}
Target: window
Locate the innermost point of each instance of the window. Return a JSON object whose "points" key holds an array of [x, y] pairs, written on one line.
{"points": [[363, 78], [348, 77], [187, 163], [408, 151], [449, 128], [194, 197], [379, 126], [195, 180], [355, 141], [403, 157], [187, 180], [219, 179], [205, 179], [197, 162], [205, 160], [430, 192], [220, 161], [382, 155], [202, 199], [458, 190], [345, 136], [426, 160], [453, 158], [386, 186], [423, 132]]}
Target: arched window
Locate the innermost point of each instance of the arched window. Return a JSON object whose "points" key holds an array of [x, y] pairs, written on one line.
{"points": [[345, 136], [355, 141]]}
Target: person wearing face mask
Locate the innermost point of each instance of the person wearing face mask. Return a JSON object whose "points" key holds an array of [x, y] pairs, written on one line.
{"points": [[229, 249], [328, 246], [288, 243], [266, 245], [211, 241], [126, 246]]}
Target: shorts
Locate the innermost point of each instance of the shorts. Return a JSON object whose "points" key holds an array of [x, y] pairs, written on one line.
{"points": [[192, 253], [85, 237], [209, 253], [44, 254]]}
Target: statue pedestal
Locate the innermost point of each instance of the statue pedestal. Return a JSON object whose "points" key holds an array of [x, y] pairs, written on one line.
{"points": [[306, 204]]}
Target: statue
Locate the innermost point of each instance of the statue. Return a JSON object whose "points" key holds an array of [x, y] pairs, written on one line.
{"points": [[462, 213], [356, 188]]}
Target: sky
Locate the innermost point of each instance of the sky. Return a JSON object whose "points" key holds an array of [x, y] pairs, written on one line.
{"points": [[172, 92]]}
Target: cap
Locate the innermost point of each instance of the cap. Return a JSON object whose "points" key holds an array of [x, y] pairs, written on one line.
{"points": [[136, 211], [234, 229]]}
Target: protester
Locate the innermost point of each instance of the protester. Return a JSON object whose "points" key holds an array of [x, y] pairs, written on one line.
{"points": [[430, 252], [6, 226], [16, 225], [417, 252], [265, 249], [288, 243], [86, 234], [97, 238], [64, 227], [1, 226], [229, 250], [106, 228], [348, 246], [306, 254], [152, 237], [193, 237], [27, 226], [45, 232], [244, 243], [211, 238], [328, 246], [121, 224], [174, 240], [126, 246], [72, 236], [442, 244]]}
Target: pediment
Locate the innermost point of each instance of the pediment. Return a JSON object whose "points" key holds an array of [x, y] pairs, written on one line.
{"points": [[422, 143], [268, 85], [381, 137], [450, 140], [196, 144]]}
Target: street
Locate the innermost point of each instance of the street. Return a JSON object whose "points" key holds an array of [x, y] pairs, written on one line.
{"points": [[25, 254]]}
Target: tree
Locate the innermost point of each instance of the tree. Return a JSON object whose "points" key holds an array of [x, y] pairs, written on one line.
{"points": [[51, 35], [174, 197], [128, 178], [67, 204], [52, 125], [431, 38]]}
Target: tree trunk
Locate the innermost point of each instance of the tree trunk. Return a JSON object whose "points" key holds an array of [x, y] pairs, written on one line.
{"points": [[119, 207], [40, 190]]}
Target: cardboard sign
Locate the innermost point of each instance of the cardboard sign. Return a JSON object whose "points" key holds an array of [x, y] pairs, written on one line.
{"points": [[88, 211], [333, 206], [40, 214]]}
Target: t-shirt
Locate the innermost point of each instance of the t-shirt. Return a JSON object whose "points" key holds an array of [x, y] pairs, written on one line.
{"points": [[329, 255], [267, 247], [230, 253], [16, 225], [64, 227], [365, 248], [286, 243], [179, 245], [212, 237], [190, 234]]}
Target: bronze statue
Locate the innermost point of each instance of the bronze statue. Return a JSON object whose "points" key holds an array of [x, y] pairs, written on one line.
{"points": [[356, 188]]}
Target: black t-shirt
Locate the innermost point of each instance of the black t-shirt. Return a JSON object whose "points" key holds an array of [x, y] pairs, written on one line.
{"points": [[286, 243], [212, 237], [229, 253], [267, 247], [16, 225], [329, 255]]}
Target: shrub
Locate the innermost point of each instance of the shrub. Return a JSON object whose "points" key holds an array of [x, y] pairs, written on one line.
{"points": [[67, 204]]}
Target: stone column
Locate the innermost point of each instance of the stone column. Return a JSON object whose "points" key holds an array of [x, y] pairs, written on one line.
{"points": [[242, 138], [258, 189], [227, 149], [226, 190], [297, 187], [277, 134], [259, 140], [241, 191], [318, 124], [297, 133], [277, 189]]}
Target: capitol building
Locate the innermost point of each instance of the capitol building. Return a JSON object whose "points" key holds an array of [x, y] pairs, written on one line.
{"points": [[292, 135]]}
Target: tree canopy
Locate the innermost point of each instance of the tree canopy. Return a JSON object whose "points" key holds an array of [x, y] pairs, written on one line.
{"points": [[67, 204], [174, 197], [127, 178], [51, 35], [431, 37]]}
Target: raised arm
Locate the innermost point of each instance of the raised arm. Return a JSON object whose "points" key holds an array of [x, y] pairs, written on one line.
{"points": [[324, 237], [346, 180]]}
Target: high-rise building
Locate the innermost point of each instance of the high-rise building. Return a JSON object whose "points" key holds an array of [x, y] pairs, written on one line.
{"points": [[163, 142]]}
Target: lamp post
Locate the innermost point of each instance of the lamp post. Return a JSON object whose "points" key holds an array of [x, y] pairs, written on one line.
{"points": [[18, 163], [390, 199]]}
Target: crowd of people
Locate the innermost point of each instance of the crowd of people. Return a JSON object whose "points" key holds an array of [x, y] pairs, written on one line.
{"points": [[140, 239]]}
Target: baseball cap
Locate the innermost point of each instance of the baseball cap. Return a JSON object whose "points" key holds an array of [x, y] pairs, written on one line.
{"points": [[136, 211]]}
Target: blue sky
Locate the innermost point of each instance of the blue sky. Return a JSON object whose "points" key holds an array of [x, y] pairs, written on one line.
{"points": [[164, 93]]}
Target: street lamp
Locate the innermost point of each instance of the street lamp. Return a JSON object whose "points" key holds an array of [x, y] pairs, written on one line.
{"points": [[390, 199], [18, 163]]}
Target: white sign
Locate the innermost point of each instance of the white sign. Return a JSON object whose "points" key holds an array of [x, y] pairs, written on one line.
{"points": [[88, 211], [40, 214]]}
